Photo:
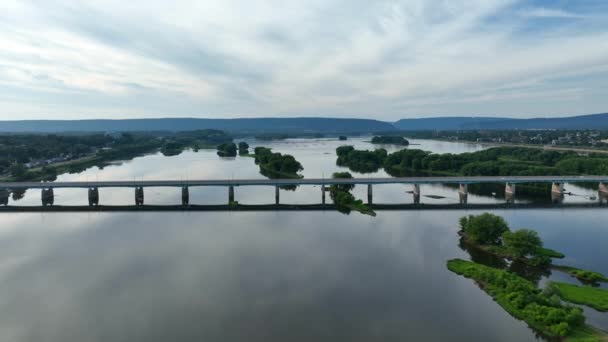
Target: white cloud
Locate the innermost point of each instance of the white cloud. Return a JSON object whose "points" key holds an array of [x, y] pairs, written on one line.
{"points": [[542, 12], [236, 58]]}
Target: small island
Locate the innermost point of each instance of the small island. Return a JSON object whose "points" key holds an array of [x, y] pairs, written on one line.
{"points": [[360, 161], [243, 148], [492, 234], [227, 150], [277, 165], [344, 199], [390, 140], [541, 309]]}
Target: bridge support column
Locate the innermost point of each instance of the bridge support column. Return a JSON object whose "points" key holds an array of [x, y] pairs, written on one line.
{"points": [[230, 194], [93, 197], [323, 189], [463, 193], [4, 194], [510, 190], [603, 189], [47, 197], [185, 196], [416, 193], [277, 196], [557, 192], [603, 193], [370, 194], [139, 196]]}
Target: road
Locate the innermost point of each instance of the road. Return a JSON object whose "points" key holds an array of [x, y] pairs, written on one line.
{"points": [[306, 181]]}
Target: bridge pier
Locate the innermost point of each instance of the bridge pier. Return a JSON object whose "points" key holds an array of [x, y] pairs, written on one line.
{"points": [[370, 194], [557, 193], [603, 189], [510, 190], [323, 194], [93, 197], [603, 192], [463, 193], [4, 195], [139, 196], [416, 193], [230, 194], [185, 196], [276, 195], [47, 197]]}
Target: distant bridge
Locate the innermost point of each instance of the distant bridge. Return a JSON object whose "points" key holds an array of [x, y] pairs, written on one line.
{"points": [[47, 194]]}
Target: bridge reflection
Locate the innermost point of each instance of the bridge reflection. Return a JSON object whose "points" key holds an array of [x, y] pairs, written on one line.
{"points": [[510, 188]]}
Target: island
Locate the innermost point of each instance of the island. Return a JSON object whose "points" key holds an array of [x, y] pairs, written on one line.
{"points": [[541, 309], [227, 150], [360, 161], [497, 161], [343, 198], [390, 140], [277, 165]]}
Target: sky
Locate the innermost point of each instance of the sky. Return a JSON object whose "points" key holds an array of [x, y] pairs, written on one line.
{"points": [[381, 59]]}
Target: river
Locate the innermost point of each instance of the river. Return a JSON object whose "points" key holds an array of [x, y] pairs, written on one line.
{"points": [[263, 276]]}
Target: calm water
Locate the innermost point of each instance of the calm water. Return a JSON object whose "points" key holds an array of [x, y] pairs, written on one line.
{"points": [[261, 276]]}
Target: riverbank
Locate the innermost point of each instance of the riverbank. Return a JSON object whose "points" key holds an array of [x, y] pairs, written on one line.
{"points": [[541, 147]]}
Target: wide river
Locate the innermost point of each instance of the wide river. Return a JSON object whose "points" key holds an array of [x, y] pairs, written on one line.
{"points": [[264, 276]]}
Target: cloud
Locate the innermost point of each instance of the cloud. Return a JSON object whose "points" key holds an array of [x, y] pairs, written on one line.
{"points": [[236, 58], [541, 12]]}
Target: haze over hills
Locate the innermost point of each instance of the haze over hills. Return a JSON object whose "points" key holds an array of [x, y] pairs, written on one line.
{"points": [[305, 125]]}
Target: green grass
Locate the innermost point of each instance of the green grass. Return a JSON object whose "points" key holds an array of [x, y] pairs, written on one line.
{"points": [[585, 295], [584, 276], [523, 300], [550, 253], [362, 208], [587, 334]]}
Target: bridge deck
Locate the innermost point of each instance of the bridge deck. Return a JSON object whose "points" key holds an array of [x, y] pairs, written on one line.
{"points": [[306, 181]]}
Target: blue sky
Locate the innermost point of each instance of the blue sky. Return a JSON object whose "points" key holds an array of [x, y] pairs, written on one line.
{"points": [[65, 59]]}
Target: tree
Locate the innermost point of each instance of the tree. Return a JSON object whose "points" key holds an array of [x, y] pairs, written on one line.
{"points": [[344, 150], [341, 187], [243, 147], [227, 150], [17, 170], [484, 229], [522, 243]]}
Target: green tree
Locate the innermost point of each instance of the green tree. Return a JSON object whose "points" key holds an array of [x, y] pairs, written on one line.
{"points": [[18, 170], [226, 150], [522, 243], [485, 229], [341, 187]]}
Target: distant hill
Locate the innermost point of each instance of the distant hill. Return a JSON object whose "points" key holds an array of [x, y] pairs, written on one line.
{"points": [[593, 121], [445, 123], [255, 125], [304, 125]]}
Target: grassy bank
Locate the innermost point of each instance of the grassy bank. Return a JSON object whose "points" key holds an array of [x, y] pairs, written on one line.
{"points": [[523, 300], [584, 276], [585, 295]]}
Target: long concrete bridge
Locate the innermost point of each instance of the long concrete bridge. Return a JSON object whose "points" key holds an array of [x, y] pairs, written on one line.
{"points": [[511, 182]]}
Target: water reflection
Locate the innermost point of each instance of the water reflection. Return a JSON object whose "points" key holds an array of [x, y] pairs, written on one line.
{"points": [[525, 270], [240, 277]]}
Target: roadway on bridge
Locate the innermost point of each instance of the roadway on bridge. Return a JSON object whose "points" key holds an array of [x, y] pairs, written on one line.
{"points": [[305, 181]]}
